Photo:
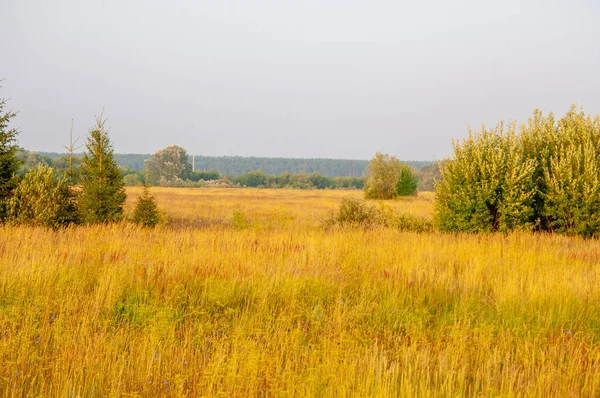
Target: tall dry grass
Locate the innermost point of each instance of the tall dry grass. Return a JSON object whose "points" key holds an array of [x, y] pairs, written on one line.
{"points": [[285, 308]]}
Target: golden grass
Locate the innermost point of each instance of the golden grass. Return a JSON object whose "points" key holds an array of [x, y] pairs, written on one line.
{"points": [[284, 308]]}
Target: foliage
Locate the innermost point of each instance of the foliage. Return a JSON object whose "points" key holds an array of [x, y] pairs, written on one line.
{"points": [[9, 164], [31, 160], [146, 212], [62, 165], [546, 177], [131, 178], [209, 175], [356, 213], [387, 178], [428, 176], [487, 186], [169, 166], [44, 199], [407, 181], [255, 178], [568, 173], [103, 192]]}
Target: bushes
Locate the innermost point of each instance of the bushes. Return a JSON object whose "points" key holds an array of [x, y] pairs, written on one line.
{"points": [[43, 199], [357, 213], [388, 178], [545, 178]]}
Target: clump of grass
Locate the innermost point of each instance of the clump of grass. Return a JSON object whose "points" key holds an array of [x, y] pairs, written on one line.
{"points": [[239, 220]]}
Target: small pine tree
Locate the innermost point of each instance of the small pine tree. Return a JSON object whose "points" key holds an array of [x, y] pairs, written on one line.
{"points": [[146, 211], [9, 164], [41, 198], [407, 181], [103, 190]]}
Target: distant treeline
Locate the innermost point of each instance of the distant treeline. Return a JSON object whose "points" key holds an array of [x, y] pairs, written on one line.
{"points": [[132, 169], [238, 165]]}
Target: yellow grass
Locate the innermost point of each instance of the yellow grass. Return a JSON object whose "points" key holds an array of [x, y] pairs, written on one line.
{"points": [[284, 308]]}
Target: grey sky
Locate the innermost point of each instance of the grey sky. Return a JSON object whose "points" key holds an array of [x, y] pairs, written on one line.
{"points": [[305, 78]]}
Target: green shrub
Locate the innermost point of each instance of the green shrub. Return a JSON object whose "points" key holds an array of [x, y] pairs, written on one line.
{"points": [[44, 199], [356, 213]]}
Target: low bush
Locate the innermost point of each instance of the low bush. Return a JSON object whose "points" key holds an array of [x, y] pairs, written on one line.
{"points": [[357, 213]]}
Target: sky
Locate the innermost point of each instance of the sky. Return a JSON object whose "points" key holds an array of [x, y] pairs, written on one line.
{"points": [[283, 78]]}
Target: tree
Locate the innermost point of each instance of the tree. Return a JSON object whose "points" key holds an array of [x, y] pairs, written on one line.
{"points": [[169, 165], [383, 175], [570, 185], [146, 211], [546, 178], [9, 163], [103, 192], [488, 184], [407, 181], [42, 198]]}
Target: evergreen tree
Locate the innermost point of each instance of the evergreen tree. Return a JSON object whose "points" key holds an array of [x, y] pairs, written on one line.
{"points": [[146, 211], [9, 163], [407, 181], [103, 189]]}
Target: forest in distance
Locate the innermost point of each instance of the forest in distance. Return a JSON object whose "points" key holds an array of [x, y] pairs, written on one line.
{"points": [[256, 172], [237, 165]]}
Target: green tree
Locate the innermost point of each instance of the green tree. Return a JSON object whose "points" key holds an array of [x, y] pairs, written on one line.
{"points": [[407, 181], [383, 175], [169, 166], [571, 176], [42, 198], [487, 185], [146, 212], [103, 192], [9, 164]]}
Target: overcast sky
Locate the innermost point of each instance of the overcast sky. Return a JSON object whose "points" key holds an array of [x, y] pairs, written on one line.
{"points": [[304, 78]]}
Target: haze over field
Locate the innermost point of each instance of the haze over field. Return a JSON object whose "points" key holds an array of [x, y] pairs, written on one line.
{"points": [[335, 79]]}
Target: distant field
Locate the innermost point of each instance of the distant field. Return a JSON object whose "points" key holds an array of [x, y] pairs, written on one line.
{"points": [[284, 308], [198, 207]]}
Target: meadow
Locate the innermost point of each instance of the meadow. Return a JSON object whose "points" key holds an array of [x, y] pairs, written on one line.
{"points": [[276, 305]]}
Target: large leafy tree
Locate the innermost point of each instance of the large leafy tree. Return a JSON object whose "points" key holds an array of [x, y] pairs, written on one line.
{"points": [[9, 163], [102, 188], [169, 165], [488, 185], [546, 177], [383, 175]]}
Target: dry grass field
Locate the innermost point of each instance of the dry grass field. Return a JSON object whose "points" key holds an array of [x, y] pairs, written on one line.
{"points": [[282, 307]]}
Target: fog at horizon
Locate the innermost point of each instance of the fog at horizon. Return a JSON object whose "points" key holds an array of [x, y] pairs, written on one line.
{"points": [[326, 79]]}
